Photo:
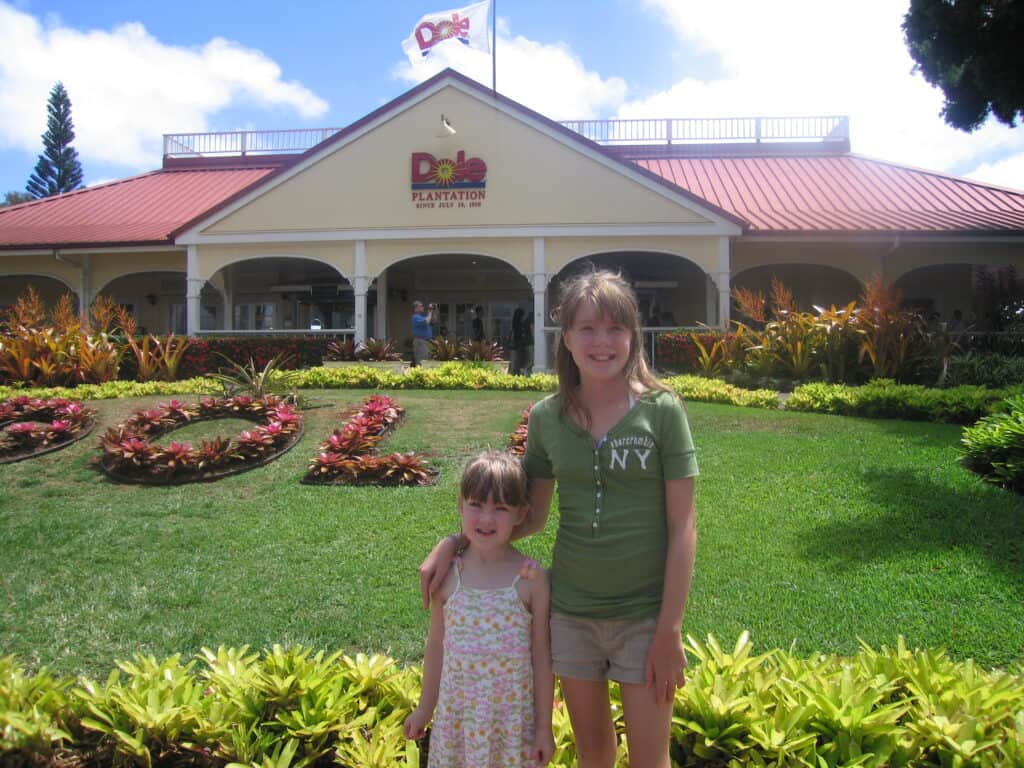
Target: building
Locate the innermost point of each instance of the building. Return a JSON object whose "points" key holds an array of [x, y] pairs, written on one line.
{"points": [[454, 194]]}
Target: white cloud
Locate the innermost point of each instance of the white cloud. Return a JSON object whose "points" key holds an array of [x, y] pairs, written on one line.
{"points": [[127, 88], [548, 78], [1004, 173], [818, 57]]}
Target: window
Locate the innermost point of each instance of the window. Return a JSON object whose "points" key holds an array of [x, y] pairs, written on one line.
{"points": [[254, 317], [177, 321]]}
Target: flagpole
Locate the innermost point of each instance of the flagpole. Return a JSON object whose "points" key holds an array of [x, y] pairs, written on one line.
{"points": [[494, 47]]}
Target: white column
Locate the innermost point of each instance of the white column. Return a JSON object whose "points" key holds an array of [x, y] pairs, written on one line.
{"points": [[711, 300], [539, 279], [85, 289], [722, 280], [360, 284], [380, 320], [193, 287], [228, 323]]}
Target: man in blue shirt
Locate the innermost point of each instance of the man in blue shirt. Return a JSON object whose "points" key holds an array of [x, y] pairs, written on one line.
{"points": [[421, 332]]}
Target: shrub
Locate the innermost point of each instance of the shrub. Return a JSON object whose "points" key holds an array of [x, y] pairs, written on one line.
{"points": [[994, 447], [115, 389], [885, 399], [704, 390], [891, 706], [678, 351], [207, 353], [985, 370]]}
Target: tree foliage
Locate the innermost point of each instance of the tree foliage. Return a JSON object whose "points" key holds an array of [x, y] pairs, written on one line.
{"points": [[14, 197], [58, 169], [971, 49]]}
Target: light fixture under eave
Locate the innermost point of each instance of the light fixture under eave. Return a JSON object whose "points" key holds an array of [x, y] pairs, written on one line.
{"points": [[446, 129]]}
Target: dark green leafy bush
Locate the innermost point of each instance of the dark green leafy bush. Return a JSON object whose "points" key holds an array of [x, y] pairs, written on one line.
{"points": [[994, 447], [986, 370]]}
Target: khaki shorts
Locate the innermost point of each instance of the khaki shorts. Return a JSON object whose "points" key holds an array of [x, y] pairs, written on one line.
{"points": [[585, 649]]}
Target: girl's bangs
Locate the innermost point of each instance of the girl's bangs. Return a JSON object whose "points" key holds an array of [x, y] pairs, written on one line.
{"points": [[609, 299], [490, 477]]}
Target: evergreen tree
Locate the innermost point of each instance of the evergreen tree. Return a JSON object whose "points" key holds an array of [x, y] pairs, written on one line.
{"points": [[58, 169]]}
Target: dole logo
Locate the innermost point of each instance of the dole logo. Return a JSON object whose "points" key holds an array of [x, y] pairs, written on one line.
{"points": [[428, 34], [430, 173]]}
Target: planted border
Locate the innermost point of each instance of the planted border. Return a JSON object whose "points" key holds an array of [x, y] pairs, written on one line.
{"points": [[129, 455], [34, 426], [295, 706], [349, 454]]}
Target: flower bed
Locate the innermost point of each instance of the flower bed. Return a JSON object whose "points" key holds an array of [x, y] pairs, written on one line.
{"points": [[517, 440], [349, 455], [130, 456], [34, 426]]}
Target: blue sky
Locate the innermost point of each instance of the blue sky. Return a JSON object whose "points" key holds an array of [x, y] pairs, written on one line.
{"points": [[135, 71]]}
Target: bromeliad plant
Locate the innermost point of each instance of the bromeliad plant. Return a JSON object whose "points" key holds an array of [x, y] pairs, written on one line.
{"points": [[128, 453], [443, 349], [480, 351], [33, 425], [517, 441], [378, 351], [348, 455]]}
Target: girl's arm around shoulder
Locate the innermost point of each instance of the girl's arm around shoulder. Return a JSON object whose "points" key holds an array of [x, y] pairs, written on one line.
{"points": [[543, 679], [433, 658]]}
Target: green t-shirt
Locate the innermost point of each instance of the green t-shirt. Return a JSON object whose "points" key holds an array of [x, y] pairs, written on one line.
{"points": [[609, 556]]}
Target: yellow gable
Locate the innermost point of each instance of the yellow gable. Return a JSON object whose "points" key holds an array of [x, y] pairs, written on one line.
{"points": [[533, 177]]}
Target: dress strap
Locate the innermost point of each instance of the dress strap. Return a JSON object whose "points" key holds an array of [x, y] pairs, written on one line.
{"points": [[458, 573]]}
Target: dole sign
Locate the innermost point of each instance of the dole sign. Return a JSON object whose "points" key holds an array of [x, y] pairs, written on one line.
{"points": [[446, 183]]}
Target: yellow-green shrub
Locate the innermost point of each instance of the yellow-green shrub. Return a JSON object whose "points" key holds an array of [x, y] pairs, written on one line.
{"points": [[880, 707]]}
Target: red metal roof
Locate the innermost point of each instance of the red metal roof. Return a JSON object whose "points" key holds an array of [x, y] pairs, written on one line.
{"points": [[842, 193], [141, 210]]}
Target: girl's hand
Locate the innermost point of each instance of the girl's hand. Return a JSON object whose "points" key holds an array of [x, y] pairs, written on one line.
{"points": [[434, 568], [543, 747], [665, 666], [529, 569], [416, 724]]}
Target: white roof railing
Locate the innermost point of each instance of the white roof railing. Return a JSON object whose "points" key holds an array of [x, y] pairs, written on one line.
{"points": [[640, 131]]}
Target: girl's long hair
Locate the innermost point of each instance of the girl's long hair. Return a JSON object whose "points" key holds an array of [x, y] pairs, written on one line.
{"points": [[614, 299]]}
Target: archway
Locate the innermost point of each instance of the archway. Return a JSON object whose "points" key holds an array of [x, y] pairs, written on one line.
{"points": [[942, 289], [671, 291], [155, 299], [811, 284], [284, 293], [457, 283], [49, 289]]}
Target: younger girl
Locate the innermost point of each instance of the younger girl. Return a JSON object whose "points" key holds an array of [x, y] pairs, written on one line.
{"points": [[617, 442], [487, 666]]}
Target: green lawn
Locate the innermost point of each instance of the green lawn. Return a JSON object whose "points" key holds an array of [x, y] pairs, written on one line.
{"points": [[814, 531]]}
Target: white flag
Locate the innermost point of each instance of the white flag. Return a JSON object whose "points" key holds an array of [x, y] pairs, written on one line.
{"points": [[467, 25]]}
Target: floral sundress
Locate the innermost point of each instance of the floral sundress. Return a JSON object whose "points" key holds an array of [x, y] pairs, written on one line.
{"points": [[484, 716]]}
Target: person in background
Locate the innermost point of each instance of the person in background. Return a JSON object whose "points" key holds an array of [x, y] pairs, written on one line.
{"points": [[478, 323], [422, 332], [517, 365]]}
